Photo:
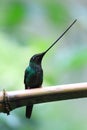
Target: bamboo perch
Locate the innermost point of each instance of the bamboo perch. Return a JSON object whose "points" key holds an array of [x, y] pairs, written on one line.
{"points": [[10, 100]]}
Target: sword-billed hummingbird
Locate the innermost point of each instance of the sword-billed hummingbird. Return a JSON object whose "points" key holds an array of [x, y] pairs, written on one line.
{"points": [[33, 77]]}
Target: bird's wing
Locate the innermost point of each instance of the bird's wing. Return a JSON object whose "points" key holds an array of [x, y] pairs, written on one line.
{"points": [[25, 76], [29, 77]]}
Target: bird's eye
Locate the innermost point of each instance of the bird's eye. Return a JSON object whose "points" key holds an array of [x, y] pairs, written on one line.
{"points": [[37, 57]]}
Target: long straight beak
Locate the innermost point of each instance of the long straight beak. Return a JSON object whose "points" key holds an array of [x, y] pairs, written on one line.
{"points": [[59, 37]]}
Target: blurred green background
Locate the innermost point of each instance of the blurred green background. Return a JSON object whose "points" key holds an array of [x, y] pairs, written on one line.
{"points": [[28, 27]]}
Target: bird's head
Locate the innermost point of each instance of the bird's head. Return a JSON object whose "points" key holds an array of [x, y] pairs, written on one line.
{"points": [[37, 58]]}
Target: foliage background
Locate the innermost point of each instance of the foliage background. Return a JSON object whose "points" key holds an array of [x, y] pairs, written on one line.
{"points": [[28, 27]]}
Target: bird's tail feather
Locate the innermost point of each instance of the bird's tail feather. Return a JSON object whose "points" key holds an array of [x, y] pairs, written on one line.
{"points": [[29, 111]]}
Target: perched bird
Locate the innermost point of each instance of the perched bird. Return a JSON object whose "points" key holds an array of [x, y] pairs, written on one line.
{"points": [[33, 77]]}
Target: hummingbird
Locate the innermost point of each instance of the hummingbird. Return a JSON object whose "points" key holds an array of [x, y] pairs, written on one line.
{"points": [[33, 77]]}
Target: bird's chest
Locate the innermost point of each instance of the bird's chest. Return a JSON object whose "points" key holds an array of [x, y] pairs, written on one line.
{"points": [[35, 77]]}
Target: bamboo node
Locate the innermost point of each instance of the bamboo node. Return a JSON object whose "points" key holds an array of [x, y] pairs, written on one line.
{"points": [[6, 103]]}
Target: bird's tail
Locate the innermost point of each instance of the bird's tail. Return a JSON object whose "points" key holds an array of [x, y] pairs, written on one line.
{"points": [[29, 111]]}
